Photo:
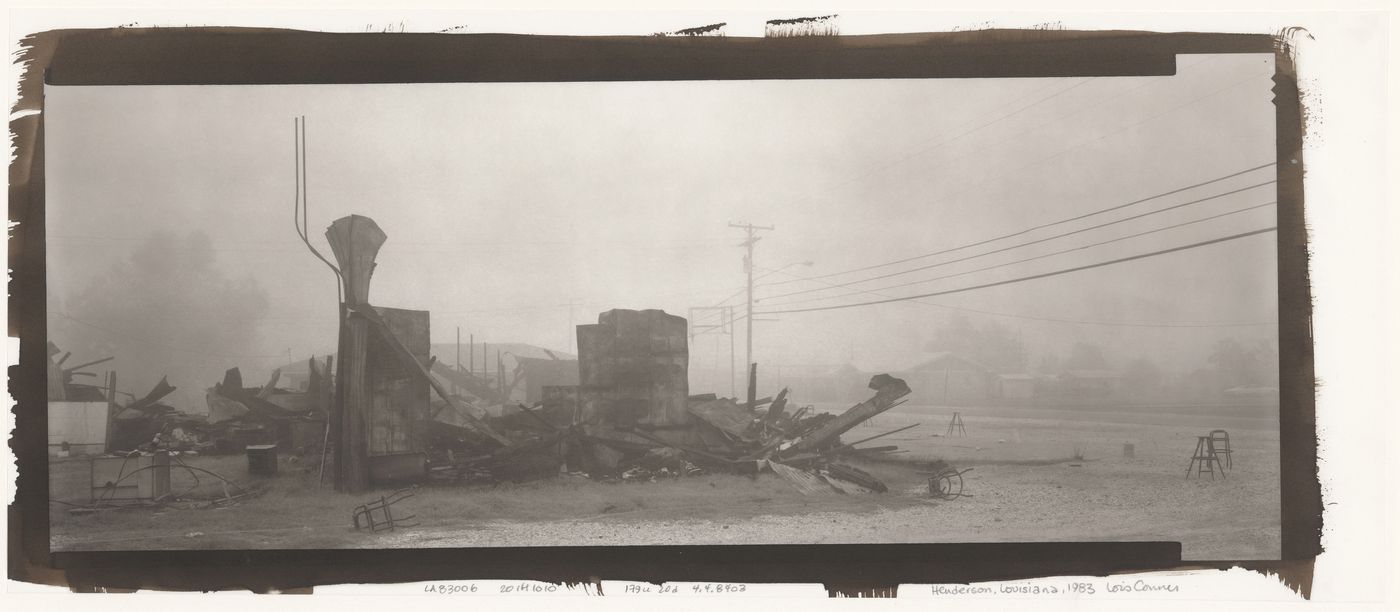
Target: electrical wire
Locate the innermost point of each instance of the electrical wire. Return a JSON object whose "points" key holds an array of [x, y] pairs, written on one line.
{"points": [[1062, 222], [1029, 259], [1028, 278], [1033, 242]]}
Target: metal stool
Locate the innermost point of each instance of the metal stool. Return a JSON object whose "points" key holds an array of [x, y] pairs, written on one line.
{"points": [[1205, 459], [956, 425]]}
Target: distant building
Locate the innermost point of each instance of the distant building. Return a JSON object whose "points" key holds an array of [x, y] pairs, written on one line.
{"points": [[1016, 386], [296, 376], [1090, 383], [949, 378], [527, 369]]}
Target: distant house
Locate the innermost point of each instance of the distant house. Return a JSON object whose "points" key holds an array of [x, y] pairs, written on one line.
{"points": [[296, 376], [1090, 383], [527, 369], [949, 378], [1015, 386]]}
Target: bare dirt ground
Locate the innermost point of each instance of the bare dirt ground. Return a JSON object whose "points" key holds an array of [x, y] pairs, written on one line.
{"points": [[1025, 485]]}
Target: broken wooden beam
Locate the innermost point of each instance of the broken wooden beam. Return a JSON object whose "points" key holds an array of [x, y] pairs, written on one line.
{"points": [[887, 388], [775, 411], [878, 436]]}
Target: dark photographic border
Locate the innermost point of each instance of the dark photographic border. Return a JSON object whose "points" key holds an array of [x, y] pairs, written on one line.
{"points": [[229, 56]]}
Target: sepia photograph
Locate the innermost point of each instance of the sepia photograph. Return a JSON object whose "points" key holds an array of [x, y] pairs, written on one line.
{"points": [[661, 312]]}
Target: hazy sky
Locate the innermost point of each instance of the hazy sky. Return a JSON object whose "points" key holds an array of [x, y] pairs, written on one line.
{"points": [[504, 203]]}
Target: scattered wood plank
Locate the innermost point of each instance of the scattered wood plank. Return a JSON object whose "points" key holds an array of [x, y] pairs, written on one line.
{"points": [[806, 483]]}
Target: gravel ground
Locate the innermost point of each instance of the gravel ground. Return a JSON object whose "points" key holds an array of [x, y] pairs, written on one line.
{"points": [[1026, 484], [1031, 490]]}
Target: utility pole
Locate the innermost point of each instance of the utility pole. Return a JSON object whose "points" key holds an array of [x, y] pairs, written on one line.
{"points": [[750, 238], [573, 332], [729, 314]]}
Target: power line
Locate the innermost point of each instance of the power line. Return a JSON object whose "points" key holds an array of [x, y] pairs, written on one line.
{"points": [[1028, 278], [1011, 315], [1028, 259], [1033, 242], [705, 317], [1054, 223]]}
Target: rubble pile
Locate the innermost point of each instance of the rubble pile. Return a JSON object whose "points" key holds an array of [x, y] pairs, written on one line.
{"points": [[722, 435]]}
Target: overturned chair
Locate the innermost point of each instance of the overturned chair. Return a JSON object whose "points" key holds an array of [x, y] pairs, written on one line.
{"points": [[1220, 439], [379, 515]]}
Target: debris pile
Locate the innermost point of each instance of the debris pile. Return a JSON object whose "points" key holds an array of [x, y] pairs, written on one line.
{"points": [[244, 416], [631, 419], [389, 412], [143, 480], [805, 449]]}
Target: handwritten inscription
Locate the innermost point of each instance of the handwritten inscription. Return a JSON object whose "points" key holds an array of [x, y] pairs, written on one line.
{"points": [[451, 589], [1072, 589], [699, 588], [1142, 586], [644, 589]]}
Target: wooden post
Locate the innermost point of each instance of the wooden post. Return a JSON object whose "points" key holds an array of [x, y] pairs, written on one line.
{"points": [[501, 378], [352, 450], [111, 410], [355, 241], [753, 386]]}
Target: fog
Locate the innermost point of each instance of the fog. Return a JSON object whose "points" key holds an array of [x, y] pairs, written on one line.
{"points": [[516, 211]]}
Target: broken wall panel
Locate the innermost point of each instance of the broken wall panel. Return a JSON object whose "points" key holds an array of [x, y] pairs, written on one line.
{"points": [[77, 428], [725, 415], [399, 398], [633, 369]]}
